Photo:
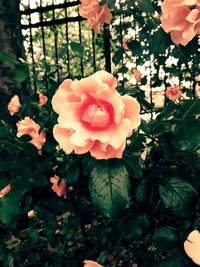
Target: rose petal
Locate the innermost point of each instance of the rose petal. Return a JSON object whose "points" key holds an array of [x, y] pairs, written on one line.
{"points": [[62, 137]]}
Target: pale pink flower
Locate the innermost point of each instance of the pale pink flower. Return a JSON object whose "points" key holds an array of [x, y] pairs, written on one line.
{"points": [[192, 246], [174, 92], [14, 105], [95, 14], [182, 19], [5, 191], [124, 42], [30, 127], [137, 75], [94, 117], [91, 264], [42, 99], [59, 188]]}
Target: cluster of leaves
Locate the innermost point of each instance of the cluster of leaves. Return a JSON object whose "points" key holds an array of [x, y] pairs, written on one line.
{"points": [[137, 210]]}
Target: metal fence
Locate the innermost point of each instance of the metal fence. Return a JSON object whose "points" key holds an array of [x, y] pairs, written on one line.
{"points": [[52, 28]]}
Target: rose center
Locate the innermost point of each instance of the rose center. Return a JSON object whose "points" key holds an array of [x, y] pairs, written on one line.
{"points": [[96, 116], [174, 91]]}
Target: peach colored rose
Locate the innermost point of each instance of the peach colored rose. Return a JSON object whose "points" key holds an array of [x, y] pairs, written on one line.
{"points": [[59, 188], [30, 127], [5, 191], [174, 92], [192, 246], [91, 264], [182, 19], [95, 14], [94, 117], [14, 105], [137, 75], [42, 99], [124, 43]]}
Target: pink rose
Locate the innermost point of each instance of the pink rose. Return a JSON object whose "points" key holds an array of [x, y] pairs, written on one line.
{"points": [[29, 127], [95, 14], [91, 264], [5, 191], [137, 75], [182, 19], [124, 43], [192, 246], [174, 93], [14, 105], [94, 117], [59, 188], [42, 99]]}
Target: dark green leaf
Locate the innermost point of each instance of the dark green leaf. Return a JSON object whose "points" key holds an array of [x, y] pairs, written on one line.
{"points": [[77, 49], [21, 72], [178, 196], [109, 187], [166, 238]]}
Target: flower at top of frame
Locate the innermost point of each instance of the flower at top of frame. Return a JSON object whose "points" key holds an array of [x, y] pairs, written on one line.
{"points": [[27, 126], [137, 75], [192, 246], [5, 191], [42, 99], [181, 18], [94, 117], [174, 93], [59, 188], [124, 42], [91, 264], [95, 14], [14, 105]]}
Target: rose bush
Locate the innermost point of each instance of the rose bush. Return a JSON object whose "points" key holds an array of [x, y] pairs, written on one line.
{"points": [[93, 117], [65, 205]]}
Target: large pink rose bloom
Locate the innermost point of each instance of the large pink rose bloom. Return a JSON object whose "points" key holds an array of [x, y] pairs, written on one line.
{"points": [[182, 19], [91, 264], [94, 117], [14, 105], [95, 14], [192, 246], [30, 127]]}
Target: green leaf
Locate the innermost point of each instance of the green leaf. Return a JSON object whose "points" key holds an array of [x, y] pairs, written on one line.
{"points": [[145, 6], [189, 108], [109, 187], [158, 42], [9, 208], [132, 226], [187, 134], [178, 196], [72, 174], [21, 72], [6, 58], [166, 238], [77, 49]]}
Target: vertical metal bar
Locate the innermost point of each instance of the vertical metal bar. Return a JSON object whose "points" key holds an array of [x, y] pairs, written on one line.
{"points": [[32, 53], [150, 84], [107, 48], [94, 51], [56, 45], [121, 40], [43, 46], [67, 39], [80, 39]]}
